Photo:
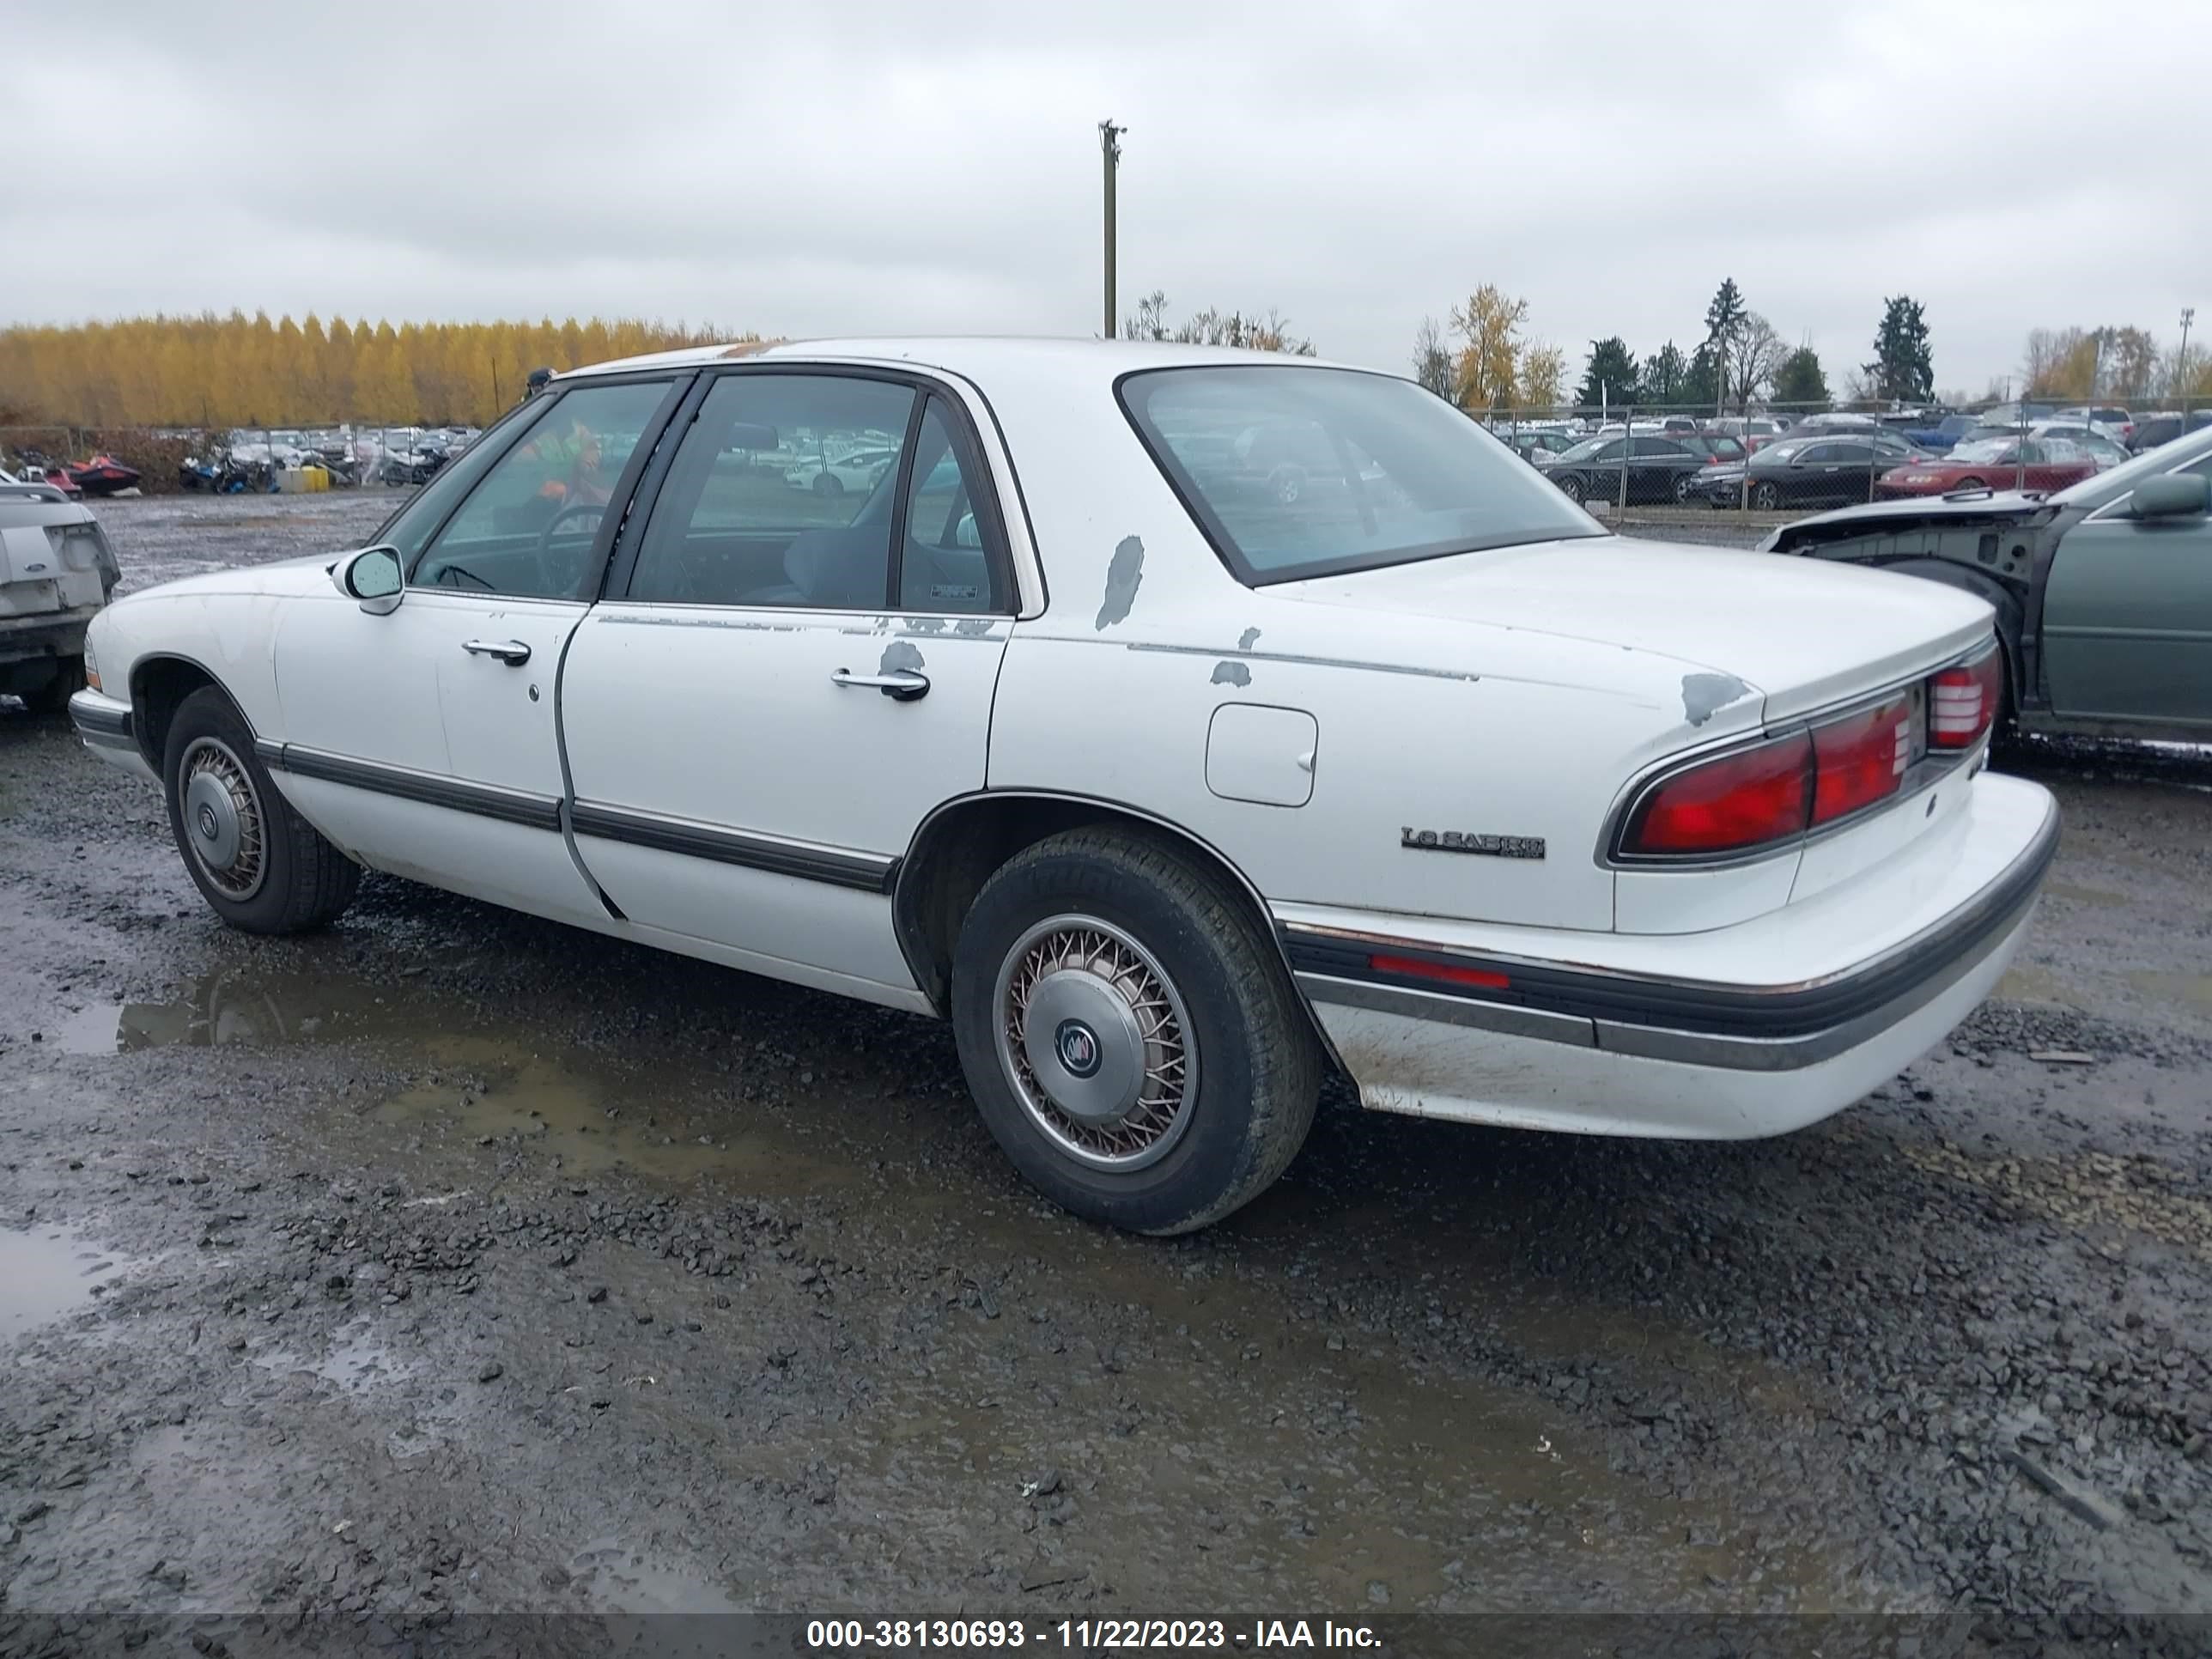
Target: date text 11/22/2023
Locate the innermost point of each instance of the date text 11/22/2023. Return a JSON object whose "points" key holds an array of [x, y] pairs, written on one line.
{"points": [[1086, 1635]]}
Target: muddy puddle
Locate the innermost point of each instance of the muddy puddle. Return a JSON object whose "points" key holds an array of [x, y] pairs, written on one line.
{"points": [[223, 1010], [48, 1272], [2190, 990], [586, 1118], [482, 1082], [357, 1360]]}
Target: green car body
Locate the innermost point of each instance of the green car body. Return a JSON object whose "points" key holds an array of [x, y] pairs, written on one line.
{"points": [[2102, 593]]}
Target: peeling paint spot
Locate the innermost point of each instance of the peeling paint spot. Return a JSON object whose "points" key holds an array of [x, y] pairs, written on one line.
{"points": [[1123, 576], [1703, 694], [1231, 673], [927, 625], [1248, 639], [898, 654], [975, 627]]}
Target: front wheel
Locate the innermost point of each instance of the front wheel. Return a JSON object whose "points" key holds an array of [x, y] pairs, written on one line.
{"points": [[260, 865], [1766, 497], [1129, 1033], [828, 483]]}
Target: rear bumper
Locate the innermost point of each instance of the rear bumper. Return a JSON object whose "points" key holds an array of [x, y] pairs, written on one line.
{"points": [[1750, 1030], [104, 723], [45, 634]]}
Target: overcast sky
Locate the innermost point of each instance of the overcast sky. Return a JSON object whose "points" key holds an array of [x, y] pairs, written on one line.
{"points": [[855, 167]]}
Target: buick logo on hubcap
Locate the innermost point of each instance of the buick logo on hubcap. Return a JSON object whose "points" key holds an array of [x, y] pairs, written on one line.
{"points": [[1078, 1048], [208, 827]]}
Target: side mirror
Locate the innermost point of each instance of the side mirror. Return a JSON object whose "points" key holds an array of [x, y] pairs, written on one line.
{"points": [[373, 578], [2174, 496]]}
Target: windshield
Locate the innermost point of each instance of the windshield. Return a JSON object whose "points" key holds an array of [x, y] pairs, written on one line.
{"points": [[1982, 449], [1295, 471], [2102, 488]]}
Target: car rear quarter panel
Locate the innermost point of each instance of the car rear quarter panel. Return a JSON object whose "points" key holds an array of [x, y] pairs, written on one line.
{"points": [[1418, 725]]}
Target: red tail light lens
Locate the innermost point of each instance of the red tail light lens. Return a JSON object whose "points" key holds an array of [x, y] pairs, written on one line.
{"points": [[1962, 701], [1860, 759], [1739, 801]]}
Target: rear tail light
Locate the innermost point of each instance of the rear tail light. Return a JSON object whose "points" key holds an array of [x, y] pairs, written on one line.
{"points": [[1750, 798], [1861, 759], [1962, 701], [1764, 797]]}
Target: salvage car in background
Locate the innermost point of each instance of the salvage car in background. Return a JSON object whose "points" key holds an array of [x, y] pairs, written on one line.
{"points": [[2033, 463], [1658, 468], [2102, 593], [1820, 470], [1167, 792], [56, 572]]}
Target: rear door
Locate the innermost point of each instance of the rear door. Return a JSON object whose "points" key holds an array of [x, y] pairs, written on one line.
{"points": [[2127, 619], [424, 741], [784, 681]]}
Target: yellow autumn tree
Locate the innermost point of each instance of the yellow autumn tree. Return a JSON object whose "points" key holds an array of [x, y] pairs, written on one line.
{"points": [[215, 371]]}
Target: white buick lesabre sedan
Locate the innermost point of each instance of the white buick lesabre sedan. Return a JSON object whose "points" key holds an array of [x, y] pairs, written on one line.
{"points": [[1171, 787]]}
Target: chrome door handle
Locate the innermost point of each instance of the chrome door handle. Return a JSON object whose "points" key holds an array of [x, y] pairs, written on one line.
{"points": [[513, 653], [902, 684]]}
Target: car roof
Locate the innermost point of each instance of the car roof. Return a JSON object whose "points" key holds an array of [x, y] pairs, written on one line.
{"points": [[972, 355]]}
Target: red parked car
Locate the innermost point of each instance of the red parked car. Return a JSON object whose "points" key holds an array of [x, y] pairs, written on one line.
{"points": [[1989, 464]]}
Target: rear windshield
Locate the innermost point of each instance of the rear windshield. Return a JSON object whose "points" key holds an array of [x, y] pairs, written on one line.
{"points": [[1295, 471]]}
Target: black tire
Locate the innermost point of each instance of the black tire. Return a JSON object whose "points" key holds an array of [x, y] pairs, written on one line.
{"points": [[827, 483], [1256, 1063], [298, 881], [1683, 483], [1970, 483], [1572, 488], [1766, 497], [52, 698]]}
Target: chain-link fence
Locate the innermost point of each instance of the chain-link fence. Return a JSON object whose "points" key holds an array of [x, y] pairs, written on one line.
{"points": [[105, 460], [1624, 460]]}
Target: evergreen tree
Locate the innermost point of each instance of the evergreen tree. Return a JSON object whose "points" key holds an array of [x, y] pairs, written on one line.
{"points": [[1610, 377]]}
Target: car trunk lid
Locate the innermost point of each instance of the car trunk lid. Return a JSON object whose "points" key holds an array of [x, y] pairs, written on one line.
{"points": [[1802, 634]]}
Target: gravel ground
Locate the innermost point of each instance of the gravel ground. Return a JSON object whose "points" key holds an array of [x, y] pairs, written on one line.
{"points": [[453, 1262]]}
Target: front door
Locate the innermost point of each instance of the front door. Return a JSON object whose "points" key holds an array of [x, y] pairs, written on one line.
{"points": [[787, 678], [2127, 619], [425, 742]]}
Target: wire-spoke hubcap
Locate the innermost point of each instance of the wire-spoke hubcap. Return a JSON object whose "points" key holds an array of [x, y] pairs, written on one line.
{"points": [[1094, 1039], [224, 823]]}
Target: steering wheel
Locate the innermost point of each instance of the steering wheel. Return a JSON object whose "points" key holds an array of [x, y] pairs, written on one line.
{"points": [[547, 576]]}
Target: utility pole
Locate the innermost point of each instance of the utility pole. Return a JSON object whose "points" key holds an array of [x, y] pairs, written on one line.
{"points": [[1110, 146], [2181, 359]]}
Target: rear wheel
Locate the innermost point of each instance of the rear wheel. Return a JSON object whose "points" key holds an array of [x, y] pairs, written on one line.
{"points": [[1970, 483], [1683, 486], [260, 865], [1129, 1033], [1572, 488], [52, 697], [828, 483]]}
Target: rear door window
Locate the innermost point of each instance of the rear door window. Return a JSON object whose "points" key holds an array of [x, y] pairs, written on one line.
{"points": [[784, 492]]}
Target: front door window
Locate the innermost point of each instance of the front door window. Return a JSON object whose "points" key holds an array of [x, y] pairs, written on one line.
{"points": [[527, 530]]}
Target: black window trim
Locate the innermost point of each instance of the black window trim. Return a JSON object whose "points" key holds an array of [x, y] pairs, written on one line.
{"points": [[997, 555], [1184, 490], [591, 577]]}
